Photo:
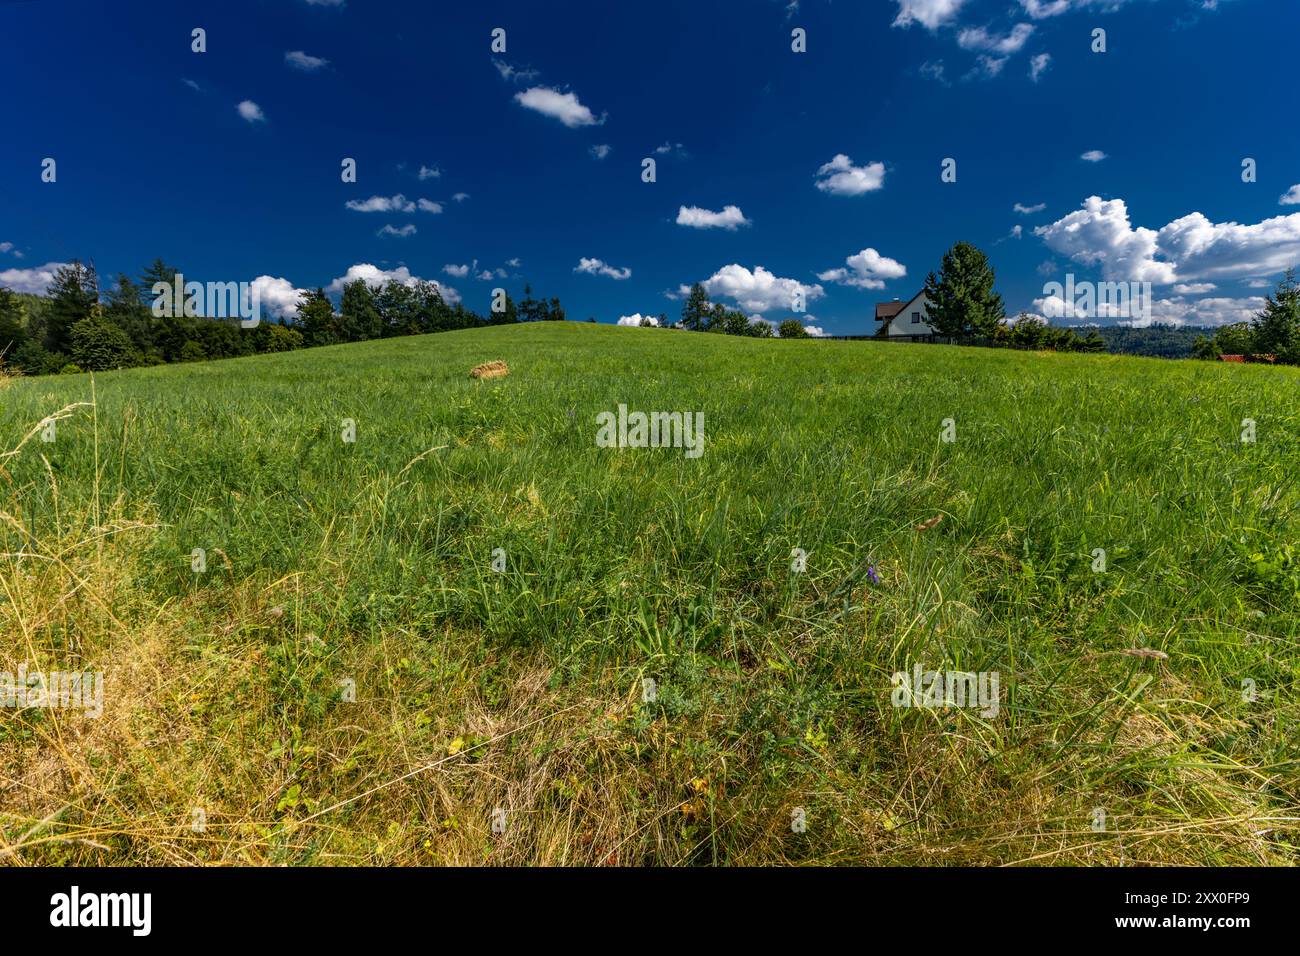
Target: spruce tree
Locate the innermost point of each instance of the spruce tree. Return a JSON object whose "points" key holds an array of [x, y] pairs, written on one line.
{"points": [[73, 294], [1277, 327], [961, 296], [696, 311]]}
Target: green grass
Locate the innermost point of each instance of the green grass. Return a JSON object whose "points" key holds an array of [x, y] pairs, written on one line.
{"points": [[522, 690]]}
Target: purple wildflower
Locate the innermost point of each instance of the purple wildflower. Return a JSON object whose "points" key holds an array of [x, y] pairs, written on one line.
{"points": [[871, 573]]}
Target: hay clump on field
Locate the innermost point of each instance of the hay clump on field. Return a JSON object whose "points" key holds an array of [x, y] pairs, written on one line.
{"points": [[490, 370]]}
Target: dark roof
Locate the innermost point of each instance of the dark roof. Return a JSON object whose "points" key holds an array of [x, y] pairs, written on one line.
{"points": [[885, 311]]}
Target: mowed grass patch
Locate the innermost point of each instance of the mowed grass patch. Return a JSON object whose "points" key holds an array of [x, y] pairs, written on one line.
{"points": [[330, 562]]}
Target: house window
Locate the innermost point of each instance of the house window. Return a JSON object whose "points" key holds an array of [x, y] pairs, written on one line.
{"points": [[916, 318]]}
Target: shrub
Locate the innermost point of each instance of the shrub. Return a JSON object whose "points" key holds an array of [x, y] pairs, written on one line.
{"points": [[98, 344]]}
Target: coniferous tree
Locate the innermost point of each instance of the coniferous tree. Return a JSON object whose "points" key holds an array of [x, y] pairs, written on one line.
{"points": [[127, 310], [154, 273], [73, 293], [316, 319], [359, 317], [696, 311], [1276, 328], [962, 300], [530, 309], [506, 317]]}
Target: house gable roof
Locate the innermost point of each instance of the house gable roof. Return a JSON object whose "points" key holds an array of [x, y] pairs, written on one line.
{"points": [[883, 309]]}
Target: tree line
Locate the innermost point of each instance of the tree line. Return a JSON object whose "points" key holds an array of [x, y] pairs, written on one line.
{"points": [[75, 328]]}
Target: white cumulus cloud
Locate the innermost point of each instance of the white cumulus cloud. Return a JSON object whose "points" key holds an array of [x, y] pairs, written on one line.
{"points": [[251, 111], [277, 296], [376, 278], [840, 177], [867, 269], [636, 318], [730, 218], [598, 267], [564, 107], [758, 290], [1191, 248], [35, 280]]}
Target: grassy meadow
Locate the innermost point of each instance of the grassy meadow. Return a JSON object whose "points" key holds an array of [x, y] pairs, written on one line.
{"points": [[1162, 691]]}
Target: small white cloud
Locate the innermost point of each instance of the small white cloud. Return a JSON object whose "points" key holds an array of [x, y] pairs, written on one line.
{"points": [[513, 263], [429, 172], [398, 203], [987, 67], [1093, 156], [935, 71], [402, 233], [251, 111], [510, 74], [979, 38], [460, 197], [840, 177], [1038, 65], [192, 85], [456, 271], [1291, 197], [867, 269], [598, 267], [305, 62], [669, 147], [564, 107], [1039, 9], [816, 331], [1194, 288], [1029, 210], [600, 151], [1017, 231], [696, 218], [931, 14]]}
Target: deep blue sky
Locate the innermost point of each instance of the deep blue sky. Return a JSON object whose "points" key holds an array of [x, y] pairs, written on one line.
{"points": [[150, 166]]}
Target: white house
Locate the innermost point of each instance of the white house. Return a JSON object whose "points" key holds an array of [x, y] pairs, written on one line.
{"points": [[908, 320]]}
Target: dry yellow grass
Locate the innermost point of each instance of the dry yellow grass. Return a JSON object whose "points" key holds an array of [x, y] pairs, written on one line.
{"points": [[490, 370]]}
